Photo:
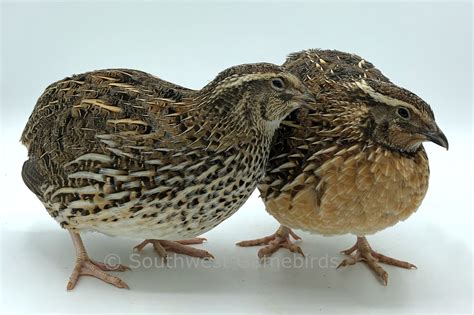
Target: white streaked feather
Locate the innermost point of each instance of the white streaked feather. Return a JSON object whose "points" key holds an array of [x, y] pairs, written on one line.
{"points": [[91, 157], [112, 171], [132, 184], [81, 204], [86, 190], [117, 196], [157, 190], [145, 173], [87, 175]]}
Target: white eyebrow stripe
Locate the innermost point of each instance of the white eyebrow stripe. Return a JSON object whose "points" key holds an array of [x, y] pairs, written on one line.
{"points": [[383, 98], [236, 80]]}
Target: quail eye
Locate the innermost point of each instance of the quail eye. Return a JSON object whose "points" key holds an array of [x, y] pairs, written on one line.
{"points": [[403, 112], [278, 84]]}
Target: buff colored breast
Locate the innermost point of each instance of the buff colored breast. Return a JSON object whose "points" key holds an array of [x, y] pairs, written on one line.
{"points": [[359, 193]]}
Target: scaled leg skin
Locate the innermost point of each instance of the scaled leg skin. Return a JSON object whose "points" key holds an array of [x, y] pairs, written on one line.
{"points": [[363, 252], [162, 247], [279, 239], [88, 267]]}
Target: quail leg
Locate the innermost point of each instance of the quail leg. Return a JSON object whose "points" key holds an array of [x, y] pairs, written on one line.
{"points": [[279, 239], [162, 247], [88, 267], [363, 252]]}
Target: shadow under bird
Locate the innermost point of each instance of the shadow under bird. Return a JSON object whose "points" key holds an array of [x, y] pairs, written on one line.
{"points": [[353, 165], [125, 153]]}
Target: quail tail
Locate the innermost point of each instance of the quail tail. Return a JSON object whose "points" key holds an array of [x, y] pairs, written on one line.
{"points": [[162, 247], [363, 252], [88, 267], [279, 239]]}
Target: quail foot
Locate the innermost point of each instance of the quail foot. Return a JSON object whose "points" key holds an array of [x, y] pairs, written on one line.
{"points": [[354, 165], [125, 153], [279, 239]]}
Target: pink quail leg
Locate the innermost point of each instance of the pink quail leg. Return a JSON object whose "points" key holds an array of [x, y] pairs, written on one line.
{"points": [[88, 267]]}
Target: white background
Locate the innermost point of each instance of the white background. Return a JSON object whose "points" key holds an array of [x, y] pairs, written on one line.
{"points": [[425, 47]]}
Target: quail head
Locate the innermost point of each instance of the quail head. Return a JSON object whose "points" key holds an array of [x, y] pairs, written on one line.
{"points": [[356, 164], [125, 153]]}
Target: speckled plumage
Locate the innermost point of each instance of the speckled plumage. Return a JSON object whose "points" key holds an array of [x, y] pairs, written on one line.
{"points": [[351, 165], [342, 179], [125, 153]]}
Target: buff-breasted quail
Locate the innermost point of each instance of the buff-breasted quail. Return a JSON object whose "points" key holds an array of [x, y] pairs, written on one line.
{"points": [[125, 153], [355, 164]]}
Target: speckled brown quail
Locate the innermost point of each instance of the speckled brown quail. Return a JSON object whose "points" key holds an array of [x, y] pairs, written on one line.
{"points": [[355, 164], [125, 153]]}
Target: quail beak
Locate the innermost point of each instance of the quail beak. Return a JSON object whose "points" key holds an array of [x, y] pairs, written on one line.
{"points": [[307, 100], [438, 137]]}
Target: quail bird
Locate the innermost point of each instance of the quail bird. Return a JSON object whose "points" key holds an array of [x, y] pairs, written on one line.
{"points": [[125, 153], [355, 164]]}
